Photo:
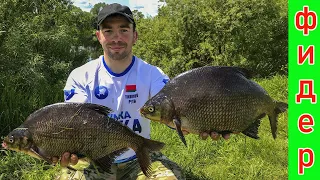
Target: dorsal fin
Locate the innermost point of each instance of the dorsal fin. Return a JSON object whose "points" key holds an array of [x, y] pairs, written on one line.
{"points": [[98, 108], [245, 72]]}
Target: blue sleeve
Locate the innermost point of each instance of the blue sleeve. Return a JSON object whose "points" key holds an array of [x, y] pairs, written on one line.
{"points": [[159, 80], [75, 90]]}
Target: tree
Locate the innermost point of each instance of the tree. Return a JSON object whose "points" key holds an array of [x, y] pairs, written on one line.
{"points": [[97, 8], [137, 15], [194, 33], [43, 41]]}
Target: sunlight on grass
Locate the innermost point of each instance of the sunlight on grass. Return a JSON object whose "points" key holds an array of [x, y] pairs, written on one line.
{"points": [[20, 166]]}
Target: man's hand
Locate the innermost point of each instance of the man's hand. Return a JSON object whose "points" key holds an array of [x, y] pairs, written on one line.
{"points": [[214, 136], [66, 159]]}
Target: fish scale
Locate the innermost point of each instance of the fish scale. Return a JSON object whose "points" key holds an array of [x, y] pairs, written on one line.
{"points": [[79, 128], [213, 98], [220, 113]]}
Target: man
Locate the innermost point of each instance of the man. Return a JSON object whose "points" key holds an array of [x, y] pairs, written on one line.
{"points": [[123, 83]]}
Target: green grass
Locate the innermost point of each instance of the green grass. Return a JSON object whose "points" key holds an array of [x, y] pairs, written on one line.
{"points": [[240, 157], [20, 166]]}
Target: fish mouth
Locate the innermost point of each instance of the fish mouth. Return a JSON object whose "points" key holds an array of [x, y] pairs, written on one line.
{"points": [[4, 145], [142, 112]]}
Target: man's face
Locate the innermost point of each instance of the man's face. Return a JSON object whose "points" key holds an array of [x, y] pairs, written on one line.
{"points": [[117, 37]]}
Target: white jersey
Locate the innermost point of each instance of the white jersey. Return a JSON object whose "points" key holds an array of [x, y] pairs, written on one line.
{"points": [[124, 93]]}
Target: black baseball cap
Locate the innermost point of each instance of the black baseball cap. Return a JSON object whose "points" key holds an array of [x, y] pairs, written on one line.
{"points": [[112, 9]]}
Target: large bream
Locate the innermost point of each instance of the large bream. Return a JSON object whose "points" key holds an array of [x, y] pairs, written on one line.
{"points": [[79, 128], [220, 99]]}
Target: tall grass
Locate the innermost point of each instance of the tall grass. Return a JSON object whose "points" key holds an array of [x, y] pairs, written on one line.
{"points": [[20, 166], [240, 157], [17, 101]]}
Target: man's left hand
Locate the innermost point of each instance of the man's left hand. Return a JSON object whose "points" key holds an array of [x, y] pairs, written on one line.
{"points": [[214, 135]]}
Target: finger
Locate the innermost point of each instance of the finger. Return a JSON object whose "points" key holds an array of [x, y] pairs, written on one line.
{"points": [[55, 160], [226, 136], [204, 135], [74, 159], [215, 136], [65, 159]]}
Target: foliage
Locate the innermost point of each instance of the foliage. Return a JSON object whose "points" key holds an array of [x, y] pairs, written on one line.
{"points": [[96, 8], [192, 33], [41, 43]]}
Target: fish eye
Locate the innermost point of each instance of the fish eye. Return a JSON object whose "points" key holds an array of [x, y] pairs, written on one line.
{"points": [[150, 108], [11, 140]]}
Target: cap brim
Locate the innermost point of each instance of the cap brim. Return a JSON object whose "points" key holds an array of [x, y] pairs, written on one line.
{"points": [[123, 14]]}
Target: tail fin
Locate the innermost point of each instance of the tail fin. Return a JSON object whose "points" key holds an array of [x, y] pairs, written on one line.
{"points": [[273, 118], [143, 154]]}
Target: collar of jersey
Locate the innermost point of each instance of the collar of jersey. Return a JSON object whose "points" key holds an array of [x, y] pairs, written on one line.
{"points": [[118, 74]]}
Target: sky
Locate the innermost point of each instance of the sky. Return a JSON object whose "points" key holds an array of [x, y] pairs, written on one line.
{"points": [[147, 7]]}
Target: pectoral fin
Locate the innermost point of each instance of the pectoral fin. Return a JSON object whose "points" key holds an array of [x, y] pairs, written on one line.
{"points": [[177, 123], [34, 152]]}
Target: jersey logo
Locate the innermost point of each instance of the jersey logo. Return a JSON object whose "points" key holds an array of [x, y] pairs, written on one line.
{"points": [[101, 92], [68, 94], [132, 97], [131, 88]]}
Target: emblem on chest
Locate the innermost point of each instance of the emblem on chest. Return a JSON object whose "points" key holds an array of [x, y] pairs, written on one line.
{"points": [[101, 92], [131, 94]]}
